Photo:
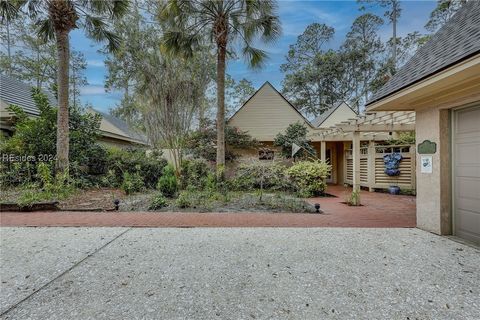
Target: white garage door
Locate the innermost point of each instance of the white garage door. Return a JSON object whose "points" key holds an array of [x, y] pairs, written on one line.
{"points": [[466, 173]]}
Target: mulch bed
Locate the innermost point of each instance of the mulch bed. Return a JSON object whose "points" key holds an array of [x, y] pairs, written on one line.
{"points": [[92, 200]]}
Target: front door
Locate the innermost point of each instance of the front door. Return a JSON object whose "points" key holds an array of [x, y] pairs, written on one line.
{"points": [[466, 173]]}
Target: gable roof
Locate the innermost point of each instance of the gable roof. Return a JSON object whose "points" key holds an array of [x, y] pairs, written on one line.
{"points": [[457, 40], [121, 128], [317, 122], [18, 93], [281, 95]]}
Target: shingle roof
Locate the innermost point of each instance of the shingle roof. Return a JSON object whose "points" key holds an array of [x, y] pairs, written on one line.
{"points": [[457, 40], [324, 116], [123, 127], [16, 92]]}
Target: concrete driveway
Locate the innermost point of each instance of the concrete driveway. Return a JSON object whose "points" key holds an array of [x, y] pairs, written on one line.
{"points": [[242, 273]]}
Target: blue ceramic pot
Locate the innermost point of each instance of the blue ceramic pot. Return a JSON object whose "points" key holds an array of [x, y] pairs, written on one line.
{"points": [[394, 190]]}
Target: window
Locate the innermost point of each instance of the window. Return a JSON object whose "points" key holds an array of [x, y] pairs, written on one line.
{"points": [[266, 154]]}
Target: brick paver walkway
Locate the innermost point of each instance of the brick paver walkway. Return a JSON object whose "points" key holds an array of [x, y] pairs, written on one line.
{"points": [[378, 211]]}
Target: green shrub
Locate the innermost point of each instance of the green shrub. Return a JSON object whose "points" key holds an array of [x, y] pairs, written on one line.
{"points": [[196, 173], [309, 177], [36, 137], [132, 182], [260, 174], [184, 199], [16, 173], [110, 179], [158, 202], [193, 198], [44, 175], [90, 163], [404, 138], [167, 184], [97, 162], [47, 187], [148, 166], [354, 198]]}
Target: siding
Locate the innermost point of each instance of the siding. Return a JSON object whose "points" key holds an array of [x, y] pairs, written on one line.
{"points": [[342, 113], [266, 114]]}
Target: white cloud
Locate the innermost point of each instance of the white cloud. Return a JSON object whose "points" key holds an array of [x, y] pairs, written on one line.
{"points": [[93, 90], [294, 16], [95, 63]]}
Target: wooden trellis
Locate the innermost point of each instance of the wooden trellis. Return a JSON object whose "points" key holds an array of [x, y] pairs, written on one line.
{"points": [[374, 126]]}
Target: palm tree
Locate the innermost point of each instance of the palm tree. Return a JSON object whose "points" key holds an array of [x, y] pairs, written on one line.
{"points": [[221, 23], [8, 12], [55, 20]]}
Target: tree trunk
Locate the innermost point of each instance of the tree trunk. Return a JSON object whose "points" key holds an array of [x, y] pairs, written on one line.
{"points": [[201, 115], [63, 52], [221, 56], [38, 67], [394, 23], [9, 53], [74, 88]]}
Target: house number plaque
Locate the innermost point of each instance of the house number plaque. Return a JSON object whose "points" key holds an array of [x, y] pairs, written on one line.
{"points": [[427, 147]]}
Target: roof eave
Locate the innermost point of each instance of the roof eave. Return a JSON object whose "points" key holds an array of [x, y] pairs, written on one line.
{"points": [[404, 98]]}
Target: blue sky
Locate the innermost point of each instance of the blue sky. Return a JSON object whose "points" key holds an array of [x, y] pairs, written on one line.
{"points": [[294, 16]]}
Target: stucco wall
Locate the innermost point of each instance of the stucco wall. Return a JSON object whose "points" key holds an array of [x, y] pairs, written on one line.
{"points": [[434, 189]]}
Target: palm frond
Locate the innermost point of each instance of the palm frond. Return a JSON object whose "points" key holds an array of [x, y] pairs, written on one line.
{"points": [[267, 26], [9, 9], [98, 30], [255, 57], [176, 11], [110, 8], [34, 7], [178, 42], [45, 30], [120, 7]]}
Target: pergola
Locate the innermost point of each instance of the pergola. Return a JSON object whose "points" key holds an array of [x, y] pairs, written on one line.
{"points": [[371, 127]]}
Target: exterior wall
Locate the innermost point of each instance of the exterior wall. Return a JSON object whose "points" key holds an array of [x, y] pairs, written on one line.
{"points": [[372, 166], [265, 115], [434, 189], [252, 154], [110, 142], [343, 113], [4, 113], [340, 162]]}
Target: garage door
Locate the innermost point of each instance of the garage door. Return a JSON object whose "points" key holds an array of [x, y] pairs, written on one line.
{"points": [[466, 173]]}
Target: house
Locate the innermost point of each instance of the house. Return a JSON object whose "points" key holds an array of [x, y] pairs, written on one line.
{"points": [[441, 83], [268, 113], [336, 114], [113, 131], [116, 132], [265, 114], [18, 93]]}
